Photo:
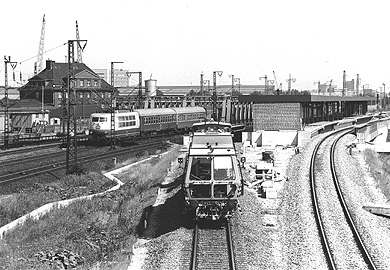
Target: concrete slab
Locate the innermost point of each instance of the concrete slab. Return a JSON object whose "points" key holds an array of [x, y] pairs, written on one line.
{"points": [[382, 210]]}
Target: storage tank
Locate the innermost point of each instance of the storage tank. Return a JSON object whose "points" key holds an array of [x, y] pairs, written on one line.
{"points": [[150, 88]]}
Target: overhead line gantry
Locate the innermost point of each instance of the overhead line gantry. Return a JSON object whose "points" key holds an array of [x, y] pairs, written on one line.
{"points": [[7, 60], [71, 101]]}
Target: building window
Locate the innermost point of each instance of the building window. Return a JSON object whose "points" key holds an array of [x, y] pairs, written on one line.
{"points": [[88, 83], [95, 83], [81, 83]]}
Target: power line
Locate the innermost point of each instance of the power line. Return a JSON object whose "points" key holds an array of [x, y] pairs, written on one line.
{"points": [[44, 52]]}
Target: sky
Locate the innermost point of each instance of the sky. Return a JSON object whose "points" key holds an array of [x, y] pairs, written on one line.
{"points": [[174, 41]]}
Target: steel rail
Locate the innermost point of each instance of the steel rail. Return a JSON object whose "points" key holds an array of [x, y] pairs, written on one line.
{"points": [[194, 253], [317, 215], [61, 165], [344, 206], [232, 263]]}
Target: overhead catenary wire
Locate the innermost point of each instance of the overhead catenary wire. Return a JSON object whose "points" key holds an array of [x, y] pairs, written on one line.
{"points": [[63, 44]]}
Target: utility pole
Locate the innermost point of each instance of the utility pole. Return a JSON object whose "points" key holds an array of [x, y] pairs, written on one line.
{"points": [[232, 76], [7, 60], [344, 83], [357, 84], [201, 84], [71, 138], [139, 86], [265, 84], [289, 80], [208, 85], [214, 98], [79, 48], [239, 84], [384, 95], [113, 105]]}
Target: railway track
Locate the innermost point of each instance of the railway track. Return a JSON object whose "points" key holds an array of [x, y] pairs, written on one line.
{"points": [[61, 165], [342, 243], [212, 248], [23, 150]]}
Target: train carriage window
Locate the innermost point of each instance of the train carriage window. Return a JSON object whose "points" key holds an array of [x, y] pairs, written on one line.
{"points": [[220, 191], [200, 191], [201, 168], [223, 168], [99, 119]]}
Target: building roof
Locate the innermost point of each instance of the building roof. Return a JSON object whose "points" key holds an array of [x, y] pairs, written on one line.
{"points": [[56, 74], [82, 111], [25, 105], [299, 98]]}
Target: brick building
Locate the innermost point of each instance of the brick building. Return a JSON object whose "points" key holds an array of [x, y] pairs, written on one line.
{"points": [[48, 85], [294, 112]]}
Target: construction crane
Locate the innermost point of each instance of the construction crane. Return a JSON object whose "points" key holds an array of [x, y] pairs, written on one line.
{"points": [[39, 63], [330, 86], [79, 49], [279, 87]]}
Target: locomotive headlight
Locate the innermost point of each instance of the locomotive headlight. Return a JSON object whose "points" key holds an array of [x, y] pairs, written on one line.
{"points": [[231, 204], [194, 204]]}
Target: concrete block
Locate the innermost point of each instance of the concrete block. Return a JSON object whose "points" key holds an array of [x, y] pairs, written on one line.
{"points": [[271, 193]]}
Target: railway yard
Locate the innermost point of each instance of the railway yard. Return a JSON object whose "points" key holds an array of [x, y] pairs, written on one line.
{"points": [[282, 233], [294, 221], [187, 153]]}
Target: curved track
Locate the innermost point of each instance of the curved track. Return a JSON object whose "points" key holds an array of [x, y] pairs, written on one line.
{"points": [[325, 225]]}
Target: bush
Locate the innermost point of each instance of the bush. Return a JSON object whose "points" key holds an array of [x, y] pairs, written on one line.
{"points": [[380, 169], [88, 233]]}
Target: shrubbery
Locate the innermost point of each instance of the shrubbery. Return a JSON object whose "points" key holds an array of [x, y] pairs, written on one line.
{"points": [[88, 234], [68, 187], [380, 169]]}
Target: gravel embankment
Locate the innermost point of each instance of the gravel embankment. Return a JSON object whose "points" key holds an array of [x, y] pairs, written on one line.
{"points": [[359, 189], [267, 233], [299, 240], [341, 241]]}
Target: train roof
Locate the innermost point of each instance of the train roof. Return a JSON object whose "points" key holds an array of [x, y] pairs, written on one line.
{"points": [[196, 109], [157, 111], [121, 112], [212, 144], [212, 123]]}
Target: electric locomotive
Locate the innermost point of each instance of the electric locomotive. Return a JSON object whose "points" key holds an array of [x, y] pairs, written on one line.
{"points": [[213, 180], [144, 121]]}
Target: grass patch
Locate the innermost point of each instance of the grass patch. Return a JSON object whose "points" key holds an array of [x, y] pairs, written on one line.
{"points": [[39, 194], [152, 171], [380, 169], [90, 234]]}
